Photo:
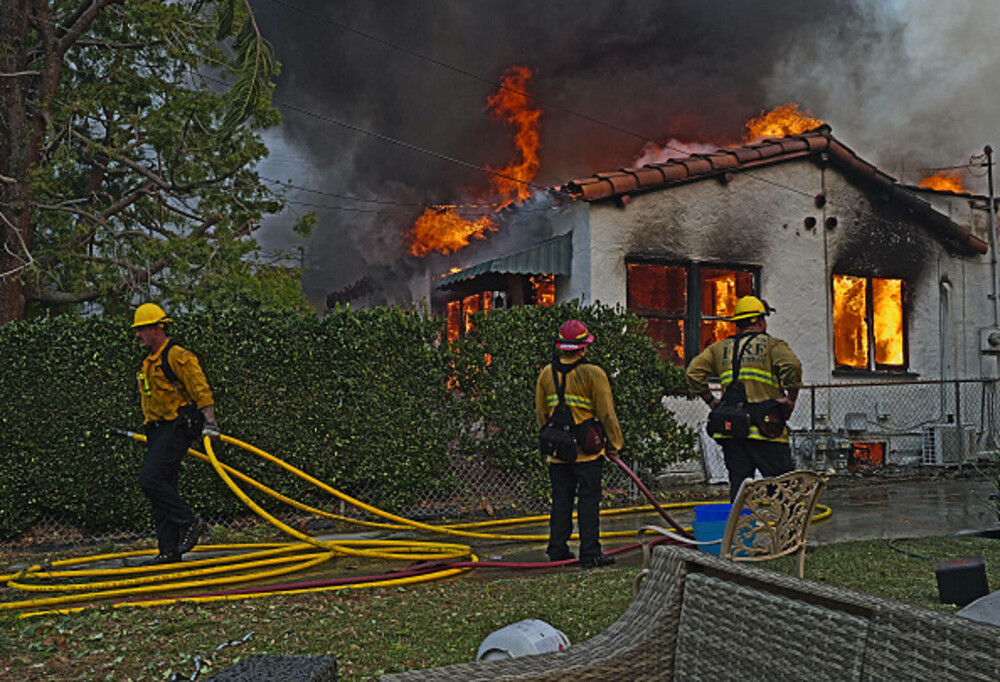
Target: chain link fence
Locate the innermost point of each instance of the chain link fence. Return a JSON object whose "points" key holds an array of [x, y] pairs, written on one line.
{"points": [[881, 426], [481, 492], [873, 428]]}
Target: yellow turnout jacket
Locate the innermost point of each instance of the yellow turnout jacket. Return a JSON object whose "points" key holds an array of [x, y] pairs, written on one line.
{"points": [[768, 368], [588, 394]]}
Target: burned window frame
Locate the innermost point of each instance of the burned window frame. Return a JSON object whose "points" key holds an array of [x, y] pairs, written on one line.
{"points": [[464, 316], [692, 316], [531, 290], [872, 366]]}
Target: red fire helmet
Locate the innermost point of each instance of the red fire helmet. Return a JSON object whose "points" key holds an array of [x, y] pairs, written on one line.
{"points": [[573, 336]]}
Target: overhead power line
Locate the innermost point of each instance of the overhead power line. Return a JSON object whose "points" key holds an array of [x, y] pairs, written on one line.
{"points": [[469, 74], [489, 206], [422, 150]]}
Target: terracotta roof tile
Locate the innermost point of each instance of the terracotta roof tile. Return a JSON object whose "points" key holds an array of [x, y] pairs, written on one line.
{"points": [[696, 165], [769, 149], [649, 175], [722, 160], [817, 142], [673, 171], [775, 150], [792, 144], [590, 189], [744, 154], [623, 182]]}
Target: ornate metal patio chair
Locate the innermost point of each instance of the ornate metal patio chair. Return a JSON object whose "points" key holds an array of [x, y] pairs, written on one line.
{"points": [[769, 518]]}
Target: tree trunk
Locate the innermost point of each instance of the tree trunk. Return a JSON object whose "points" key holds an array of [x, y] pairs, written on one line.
{"points": [[15, 140]]}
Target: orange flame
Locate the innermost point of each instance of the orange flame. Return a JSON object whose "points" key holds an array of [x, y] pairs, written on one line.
{"points": [[444, 229], [545, 290], [946, 180], [850, 321], [512, 106], [780, 121], [887, 301]]}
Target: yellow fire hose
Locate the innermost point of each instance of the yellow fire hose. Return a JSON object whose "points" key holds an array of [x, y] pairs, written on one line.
{"points": [[254, 562]]}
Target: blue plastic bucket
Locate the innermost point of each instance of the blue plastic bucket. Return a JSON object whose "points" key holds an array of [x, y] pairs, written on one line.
{"points": [[712, 512], [710, 524], [708, 530]]}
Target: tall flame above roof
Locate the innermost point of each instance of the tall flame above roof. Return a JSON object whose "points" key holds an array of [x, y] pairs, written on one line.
{"points": [[945, 180], [779, 122], [445, 229]]}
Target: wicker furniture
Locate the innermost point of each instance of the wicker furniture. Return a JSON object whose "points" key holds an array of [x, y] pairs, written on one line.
{"points": [[780, 511], [698, 616]]}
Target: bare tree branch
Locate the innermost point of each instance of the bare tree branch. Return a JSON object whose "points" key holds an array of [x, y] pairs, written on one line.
{"points": [[138, 168], [78, 23], [25, 264]]}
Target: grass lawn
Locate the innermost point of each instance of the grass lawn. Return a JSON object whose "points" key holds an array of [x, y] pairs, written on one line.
{"points": [[372, 631]]}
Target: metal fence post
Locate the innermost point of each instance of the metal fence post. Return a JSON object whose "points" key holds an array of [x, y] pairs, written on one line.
{"points": [[958, 425], [812, 426]]}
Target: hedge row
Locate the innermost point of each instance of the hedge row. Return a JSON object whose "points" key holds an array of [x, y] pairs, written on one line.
{"points": [[371, 402]]}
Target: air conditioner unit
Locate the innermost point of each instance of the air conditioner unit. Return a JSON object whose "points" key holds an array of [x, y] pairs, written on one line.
{"points": [[941, 444]]}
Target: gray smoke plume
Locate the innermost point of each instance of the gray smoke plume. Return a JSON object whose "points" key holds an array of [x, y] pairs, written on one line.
{"points": [[903, 83]]}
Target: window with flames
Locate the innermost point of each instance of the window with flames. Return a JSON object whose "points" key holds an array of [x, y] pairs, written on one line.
{"points": [[543, 292], [868, 324], [687, 305]]}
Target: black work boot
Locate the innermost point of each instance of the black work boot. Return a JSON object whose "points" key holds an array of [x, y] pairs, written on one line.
{"points": [[191, 534], [597, 561], [162, 559], [561, 556]]}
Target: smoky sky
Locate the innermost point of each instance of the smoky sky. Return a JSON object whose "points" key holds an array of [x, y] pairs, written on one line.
{"points": [[903, 83]]}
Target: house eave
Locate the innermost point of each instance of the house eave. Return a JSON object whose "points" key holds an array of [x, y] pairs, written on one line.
{"points": [[614, 186]]}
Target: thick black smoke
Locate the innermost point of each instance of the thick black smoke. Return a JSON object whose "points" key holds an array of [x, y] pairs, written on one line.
{"points": [[690, 71]]}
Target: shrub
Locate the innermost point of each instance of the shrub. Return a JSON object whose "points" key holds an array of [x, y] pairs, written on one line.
{"points": [[365, 401]]}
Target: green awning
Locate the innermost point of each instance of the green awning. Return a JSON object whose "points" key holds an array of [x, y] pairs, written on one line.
{"points": [[551, 257]]}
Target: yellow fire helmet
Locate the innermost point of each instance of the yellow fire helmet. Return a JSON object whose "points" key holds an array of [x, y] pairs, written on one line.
{"points": [[750, 306], [149, 313]]}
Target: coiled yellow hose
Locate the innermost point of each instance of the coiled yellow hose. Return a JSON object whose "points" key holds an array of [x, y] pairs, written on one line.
{"points": [[244, 563]]}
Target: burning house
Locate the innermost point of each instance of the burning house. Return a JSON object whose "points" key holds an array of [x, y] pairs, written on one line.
{"points": [[873, 280]]}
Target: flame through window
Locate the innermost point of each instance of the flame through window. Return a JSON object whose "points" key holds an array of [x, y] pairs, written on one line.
{"points": [[868, 328], [660, 294], [459, 312]]}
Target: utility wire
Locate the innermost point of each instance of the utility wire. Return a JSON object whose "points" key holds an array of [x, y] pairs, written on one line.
{"points": [[493, 83], [548, 105], [419, 204], [422, 150], [465, 72]]}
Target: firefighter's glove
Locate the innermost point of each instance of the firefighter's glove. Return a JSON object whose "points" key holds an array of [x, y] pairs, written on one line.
{"points": [[211, 430], [787, 406]]}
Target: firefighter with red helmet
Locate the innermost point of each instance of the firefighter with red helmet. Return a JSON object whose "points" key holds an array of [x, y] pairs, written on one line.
{"points": [[771, 375], [571, 381]]}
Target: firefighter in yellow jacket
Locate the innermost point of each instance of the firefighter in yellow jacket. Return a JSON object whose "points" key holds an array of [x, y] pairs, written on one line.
{"points": [[588, 394], [178, 407], [772, 375]]}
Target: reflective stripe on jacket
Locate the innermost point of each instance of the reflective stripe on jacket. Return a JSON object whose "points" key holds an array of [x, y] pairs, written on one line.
{"points": [[768, 368], [160, 398], [588, 394]]}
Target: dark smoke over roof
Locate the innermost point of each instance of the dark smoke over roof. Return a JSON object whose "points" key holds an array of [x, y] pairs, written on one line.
{"points": [[898, 81]]}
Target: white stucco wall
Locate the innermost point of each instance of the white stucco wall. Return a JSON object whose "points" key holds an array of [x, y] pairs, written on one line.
{"points": [[758, 218]]}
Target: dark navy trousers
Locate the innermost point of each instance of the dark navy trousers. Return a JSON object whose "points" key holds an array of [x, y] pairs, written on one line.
{"points": [[166, 445], [744, 455], [582, 481]]}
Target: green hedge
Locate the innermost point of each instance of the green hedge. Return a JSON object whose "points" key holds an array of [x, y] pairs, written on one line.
{"points": [[360, 400]]}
